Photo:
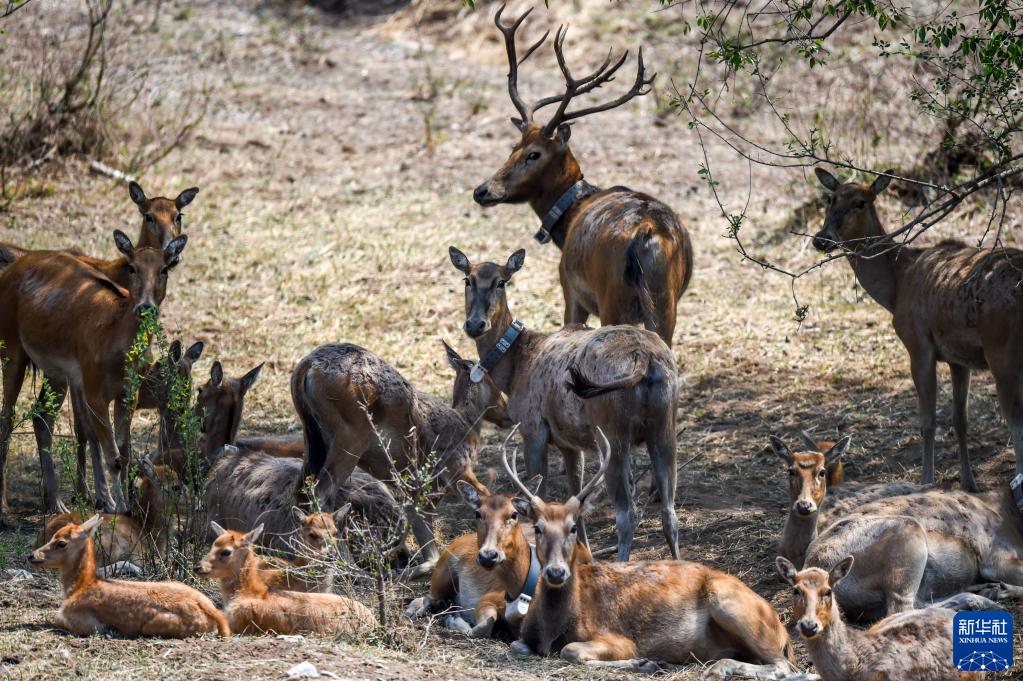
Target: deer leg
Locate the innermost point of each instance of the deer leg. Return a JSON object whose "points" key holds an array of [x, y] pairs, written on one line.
{"points": [[926, 382], [960, 410], [574, 464], [122, 431], [86, 433], [575, 313], [779, 671], [605, 647], [536, 456], [42, 427], [422, 530], [619, 486], [662, 458], [15, 362], [81, 487], [111, 494]]}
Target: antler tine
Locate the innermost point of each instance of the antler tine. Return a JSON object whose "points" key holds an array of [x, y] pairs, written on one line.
{"points": [[508, 31], [637, 90], [512, 470], [605, 459], [590, 82]]}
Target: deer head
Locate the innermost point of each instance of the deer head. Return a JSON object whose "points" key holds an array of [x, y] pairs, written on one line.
{"points": [[318, 531], [555, 525], [809, 472], [851, 220], [161, 217], [148, 270], [485, 303], [498, 533], [66, 545], [476, 400], [228, 554], [813, 604], [220, 402], [542, 159]]}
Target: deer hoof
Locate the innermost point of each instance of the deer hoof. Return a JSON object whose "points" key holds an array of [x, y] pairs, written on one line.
{"points": [[520, 648], [417, 608], [456, 623]]}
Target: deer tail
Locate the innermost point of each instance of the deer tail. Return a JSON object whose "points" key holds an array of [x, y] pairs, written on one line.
{"points": [[635, 276], [7, 255], [585, 388], [315, 443]]}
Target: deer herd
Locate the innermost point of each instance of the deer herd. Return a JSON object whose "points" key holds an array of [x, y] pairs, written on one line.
{"points": [[900, 557]]}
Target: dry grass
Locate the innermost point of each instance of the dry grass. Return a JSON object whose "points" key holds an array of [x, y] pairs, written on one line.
{"points": [[336, 165]]}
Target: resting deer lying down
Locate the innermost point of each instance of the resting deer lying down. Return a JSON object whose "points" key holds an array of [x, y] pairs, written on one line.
{"points": [[913, 549], [562, 386], [91, 604], [122, 537], [318, 549], [634, 615], [253, 607], [480, 571], [950, 303], [357, 410], [813, 473], [910, 646]]}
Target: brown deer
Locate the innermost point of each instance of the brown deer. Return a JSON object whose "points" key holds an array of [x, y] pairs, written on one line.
{"points": [[564, 385], [357, 410], [911, 645], [157, 382], [812, 475], [918, 545], [76, 324], [248, 483], [253, 607], [636, 615], [480, 572], [318, 550], [624, 256], [91, 604], [950, 303]]}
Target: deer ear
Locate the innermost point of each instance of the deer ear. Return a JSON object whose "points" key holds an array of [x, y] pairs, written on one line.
{"points": [[124, 244], [455, 360], [518, 123], [147, 468], [172, 254], [185, 197], [340, 514], [786, 569], [523, 507], [217, 529], [253, 536], [808, 442], [563, 134], [781, 449], [459, 260], [299, 515], [216, 373], [89, 527], [837, 450], [136, 194], [881, 183], [840, 570], [516, 260], [195, 351], [469, 493], [174, 351], [250, 379], [829, 181]]}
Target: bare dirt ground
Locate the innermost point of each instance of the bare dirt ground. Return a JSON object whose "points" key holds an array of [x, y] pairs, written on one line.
{"points": [[336, 166]]}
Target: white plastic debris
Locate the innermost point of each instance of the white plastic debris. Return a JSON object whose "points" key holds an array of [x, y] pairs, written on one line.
{"points": [[303, 670]]}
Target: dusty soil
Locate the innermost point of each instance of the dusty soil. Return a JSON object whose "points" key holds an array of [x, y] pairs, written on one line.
{"points": [[336, 165]]}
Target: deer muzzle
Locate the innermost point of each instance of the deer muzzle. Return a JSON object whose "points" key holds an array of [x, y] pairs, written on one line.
{"points": [[485, 195]]}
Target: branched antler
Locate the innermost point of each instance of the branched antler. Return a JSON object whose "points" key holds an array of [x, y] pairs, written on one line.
{"points": [[574, 87], [605, 459]]}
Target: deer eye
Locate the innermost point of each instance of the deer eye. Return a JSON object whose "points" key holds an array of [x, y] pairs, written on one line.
{"points": [[177, 219], [61, 544], [826, 594], [163, 272], [479, 516], [796, 592], [821, 473], [572, 530], [792, 472], [537, 530], [861, 203], [150, 217], [132, 270], [514, 516], [225, 553], [500, 283], [467, 282], [533, 155]]}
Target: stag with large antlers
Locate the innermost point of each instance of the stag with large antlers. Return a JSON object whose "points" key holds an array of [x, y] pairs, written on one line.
{"points": [[563, 385], [636, 615], [624, 256]]}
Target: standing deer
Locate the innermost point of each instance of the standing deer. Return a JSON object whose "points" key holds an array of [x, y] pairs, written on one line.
{"points": [[634, 615], [562, 386], [76, 325], [911, 645], [624, 256], [357, 410], [91, 604], [481, 572], [950, 303], [915, 548]]}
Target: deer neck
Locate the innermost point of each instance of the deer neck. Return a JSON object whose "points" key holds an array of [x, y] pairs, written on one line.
{"points": [[554, 187], [797, 535], [249, 580], [835, 652], [553, 617], [80, 573], [877, 266], [516, 571], [503, 374]]}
